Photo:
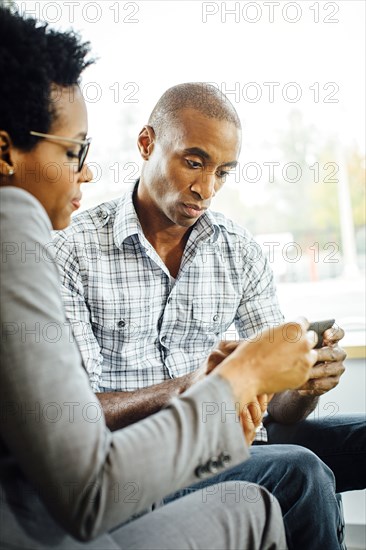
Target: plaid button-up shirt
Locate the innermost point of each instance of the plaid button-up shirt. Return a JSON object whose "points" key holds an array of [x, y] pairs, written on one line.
{"points": [[134, 324]]}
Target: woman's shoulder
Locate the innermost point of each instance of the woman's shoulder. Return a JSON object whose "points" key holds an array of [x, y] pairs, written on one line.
{"points": [[22, 214]]}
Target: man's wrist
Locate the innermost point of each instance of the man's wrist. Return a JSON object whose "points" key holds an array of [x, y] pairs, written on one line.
{"points": [[307, 395], [183, 383]]}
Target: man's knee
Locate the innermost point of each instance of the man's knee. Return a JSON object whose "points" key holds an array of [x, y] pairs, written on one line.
{"points": [[309, 472], [305, 461]]}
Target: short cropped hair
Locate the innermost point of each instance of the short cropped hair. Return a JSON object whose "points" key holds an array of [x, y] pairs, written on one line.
{"points": [[32, 59], [201, 96]]}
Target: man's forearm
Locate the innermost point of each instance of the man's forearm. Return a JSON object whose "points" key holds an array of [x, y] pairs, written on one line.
{"points": [[124, 408], [289, 407]]}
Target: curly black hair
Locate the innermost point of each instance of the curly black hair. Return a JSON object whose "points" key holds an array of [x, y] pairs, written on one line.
{"points": [[34, 57]]}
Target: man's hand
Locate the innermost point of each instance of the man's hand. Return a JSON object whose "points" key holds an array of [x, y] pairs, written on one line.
{"points": [[221, 352], [326, 373]]}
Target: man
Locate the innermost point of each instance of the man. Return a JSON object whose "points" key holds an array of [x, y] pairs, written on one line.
{"points": [[153, 280], [66, 476]]}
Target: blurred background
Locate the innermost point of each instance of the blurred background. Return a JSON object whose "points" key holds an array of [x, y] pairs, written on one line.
{"points": [[295, 72]]}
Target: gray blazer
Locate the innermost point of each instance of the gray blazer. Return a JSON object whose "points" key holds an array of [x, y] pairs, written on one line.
{"points": [[62, 472]]}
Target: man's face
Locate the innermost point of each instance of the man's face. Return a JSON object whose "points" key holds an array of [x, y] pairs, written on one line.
{"points": [[188, 165]]}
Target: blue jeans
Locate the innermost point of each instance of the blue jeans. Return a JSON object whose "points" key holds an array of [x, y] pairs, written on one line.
{"points": [[302, 483], [340, 442]]}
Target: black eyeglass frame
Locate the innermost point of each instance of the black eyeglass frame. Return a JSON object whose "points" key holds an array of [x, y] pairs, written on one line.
{"points": [[84, 143]]}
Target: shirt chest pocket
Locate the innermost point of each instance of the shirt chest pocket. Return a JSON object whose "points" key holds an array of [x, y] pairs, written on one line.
{"points": [[119, 321], [212, 316]]}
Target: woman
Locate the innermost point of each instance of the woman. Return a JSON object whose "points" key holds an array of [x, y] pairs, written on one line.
{"points": [[64, 475]]}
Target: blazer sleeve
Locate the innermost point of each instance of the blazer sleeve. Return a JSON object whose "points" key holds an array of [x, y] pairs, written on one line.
{"points": [[53, 426]]}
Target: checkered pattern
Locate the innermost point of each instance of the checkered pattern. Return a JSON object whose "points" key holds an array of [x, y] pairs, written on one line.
{"points": [[134, 324]]}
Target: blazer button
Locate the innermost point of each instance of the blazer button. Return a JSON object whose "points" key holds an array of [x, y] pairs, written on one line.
{"points": [[200, 471], [213, 465], [224, 459]]}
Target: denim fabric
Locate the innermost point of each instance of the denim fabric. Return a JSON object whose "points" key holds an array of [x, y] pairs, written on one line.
{"points": [[303, 485], [340, 441]]}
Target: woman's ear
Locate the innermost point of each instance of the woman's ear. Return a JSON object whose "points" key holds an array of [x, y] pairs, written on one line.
{"points": [[7, 168], [146, 141]]}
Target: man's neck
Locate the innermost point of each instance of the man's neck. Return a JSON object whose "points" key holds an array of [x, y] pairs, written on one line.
{"points": [[169, 240], [169, 244]]}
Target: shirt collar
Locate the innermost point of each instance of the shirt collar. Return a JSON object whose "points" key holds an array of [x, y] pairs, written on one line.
{"points": [[206, 229], [127, 224]]}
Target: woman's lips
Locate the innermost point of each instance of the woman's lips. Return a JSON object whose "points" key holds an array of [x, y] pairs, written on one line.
{"points": [[76, 203]]}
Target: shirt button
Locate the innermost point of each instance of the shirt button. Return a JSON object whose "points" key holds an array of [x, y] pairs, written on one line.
{"points": [[163, 338], [215, 318], [169, 300], [121, 323]]}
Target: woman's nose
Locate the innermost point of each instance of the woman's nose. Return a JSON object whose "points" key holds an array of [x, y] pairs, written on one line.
{"points": [[86, 175]]}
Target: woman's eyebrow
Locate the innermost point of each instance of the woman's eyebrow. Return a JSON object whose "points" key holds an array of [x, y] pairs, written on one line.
{"points": [[81, 135]]}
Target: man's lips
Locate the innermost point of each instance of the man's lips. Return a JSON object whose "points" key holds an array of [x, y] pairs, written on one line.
{"points": [[193, 210]]}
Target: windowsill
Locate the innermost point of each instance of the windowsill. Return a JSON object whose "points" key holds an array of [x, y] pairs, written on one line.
{"points": [[354, 343], [355, 352]]}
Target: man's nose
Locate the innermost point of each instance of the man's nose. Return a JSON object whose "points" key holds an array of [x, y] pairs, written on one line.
{"points": [[86, 175], [204, 186]]}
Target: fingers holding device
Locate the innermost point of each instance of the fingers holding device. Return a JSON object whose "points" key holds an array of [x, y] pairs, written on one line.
{"points": [[319, 327]]}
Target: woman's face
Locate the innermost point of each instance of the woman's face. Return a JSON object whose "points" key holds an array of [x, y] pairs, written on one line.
{"points": [[50, 170]]}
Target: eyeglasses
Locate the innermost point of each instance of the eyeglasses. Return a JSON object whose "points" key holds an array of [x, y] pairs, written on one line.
{"points": [[85, 144]]}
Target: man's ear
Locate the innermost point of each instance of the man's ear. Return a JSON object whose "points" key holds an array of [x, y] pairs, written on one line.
{"points": [[146, 142], [6, 165]]}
